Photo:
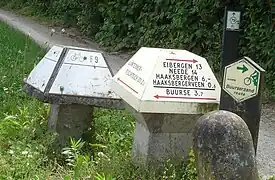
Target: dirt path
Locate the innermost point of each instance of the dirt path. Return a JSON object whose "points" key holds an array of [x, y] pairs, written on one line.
{"points": [[41, 34]]}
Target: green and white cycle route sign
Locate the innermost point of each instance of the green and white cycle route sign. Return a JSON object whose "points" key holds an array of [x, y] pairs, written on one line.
{"points": [[241, 79]]}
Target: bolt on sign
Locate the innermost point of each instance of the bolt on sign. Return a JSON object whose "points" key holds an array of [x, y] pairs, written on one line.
{"points": [[71, 72], [166, 81], [241, 79]]}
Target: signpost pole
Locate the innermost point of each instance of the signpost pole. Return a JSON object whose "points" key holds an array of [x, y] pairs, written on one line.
{"points": [[229, 53], [230, 45], [231, 35], [250, 108]]}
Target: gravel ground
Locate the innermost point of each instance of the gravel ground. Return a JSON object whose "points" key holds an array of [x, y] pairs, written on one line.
{"points": [[41, 34], [266, 142]]}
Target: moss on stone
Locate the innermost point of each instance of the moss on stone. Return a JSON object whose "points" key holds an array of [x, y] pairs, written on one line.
{"points": [[207, 107]]}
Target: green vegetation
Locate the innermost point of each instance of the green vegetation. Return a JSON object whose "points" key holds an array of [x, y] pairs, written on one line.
{"points": [[25, 143], [193, 25]]}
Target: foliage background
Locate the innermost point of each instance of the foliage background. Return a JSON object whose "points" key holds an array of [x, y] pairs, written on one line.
{"points": [[195, 25]]}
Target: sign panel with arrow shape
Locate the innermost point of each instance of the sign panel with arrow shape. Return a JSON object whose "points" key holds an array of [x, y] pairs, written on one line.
{"points": [[241, 79], [242, 69]]}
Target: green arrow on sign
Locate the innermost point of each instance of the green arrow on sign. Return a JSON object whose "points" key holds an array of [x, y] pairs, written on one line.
{"points": [[243, 69]]}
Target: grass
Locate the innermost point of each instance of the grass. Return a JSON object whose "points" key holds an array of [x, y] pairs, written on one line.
{"points": [[25, 143]]}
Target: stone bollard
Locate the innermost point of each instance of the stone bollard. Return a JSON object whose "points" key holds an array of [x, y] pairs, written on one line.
{"points": [[223, 148]]}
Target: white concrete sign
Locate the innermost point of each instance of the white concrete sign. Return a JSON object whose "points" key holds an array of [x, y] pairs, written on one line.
{"points": [[166, 81], [78, 72], [233, 20], [241, 79]]}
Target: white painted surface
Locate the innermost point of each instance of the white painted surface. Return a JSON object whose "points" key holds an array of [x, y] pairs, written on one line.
{"points": [[79, 80], [241, 80], [54, 53], [40, 75], [166, 81], [85, 58], [83, 73], [233, 20]]}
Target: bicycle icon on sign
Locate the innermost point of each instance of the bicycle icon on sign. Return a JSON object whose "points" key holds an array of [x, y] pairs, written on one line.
{"points": [[252, 78], [233, 19], [76, 57]]}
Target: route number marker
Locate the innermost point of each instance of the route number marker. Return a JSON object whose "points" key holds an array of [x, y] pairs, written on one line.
{"points": [[241, 79]]}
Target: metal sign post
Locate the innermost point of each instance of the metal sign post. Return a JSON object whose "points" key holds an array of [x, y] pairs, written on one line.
{"points": [[231, 35], [242, 77]]}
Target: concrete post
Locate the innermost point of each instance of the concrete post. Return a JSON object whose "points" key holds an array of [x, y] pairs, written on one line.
{"points": [[69, 120], [223, 148], [158, 137]]}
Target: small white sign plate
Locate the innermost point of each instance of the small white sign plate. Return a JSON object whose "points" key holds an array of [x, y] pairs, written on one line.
{"points": [[85, 58], [241, 80], [166, 81], [233, 20]]}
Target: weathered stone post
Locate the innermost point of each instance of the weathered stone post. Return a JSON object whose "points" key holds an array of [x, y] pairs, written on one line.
{"points": [[223, 148], [73, 81]]}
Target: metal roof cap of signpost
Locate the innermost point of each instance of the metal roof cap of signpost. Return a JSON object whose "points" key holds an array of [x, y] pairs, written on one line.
{"points": [[73, 75]]}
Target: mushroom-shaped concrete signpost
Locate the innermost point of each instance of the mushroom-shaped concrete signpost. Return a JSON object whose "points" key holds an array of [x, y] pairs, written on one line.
{"points": [[167, 90], [73, 80]]}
